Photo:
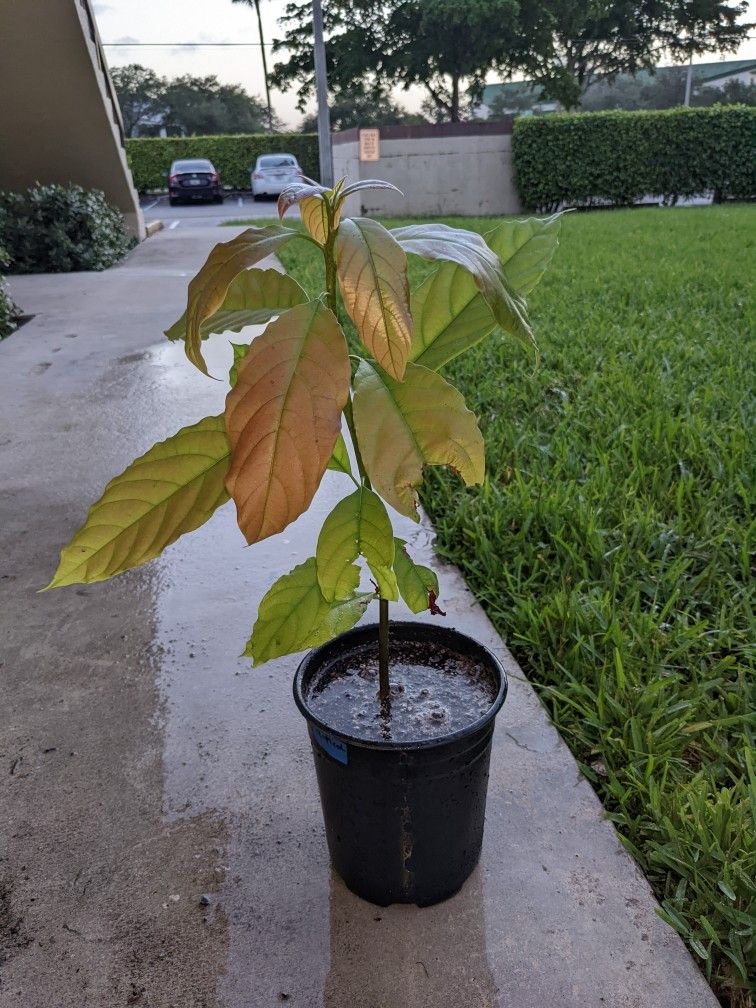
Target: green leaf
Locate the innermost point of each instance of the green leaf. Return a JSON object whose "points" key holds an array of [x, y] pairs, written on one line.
{"points": [[207, 290], [403, 426], [294, 616], [372, 272], [283, 417], [525, 248], [253, 298], [416, 583], [358, 525], [468, 250], [339, 461], [451, 315], [171, 489], [240, 352]]}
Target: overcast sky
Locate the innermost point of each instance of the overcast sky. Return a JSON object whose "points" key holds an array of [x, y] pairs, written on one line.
{"points": [[220, 21]]}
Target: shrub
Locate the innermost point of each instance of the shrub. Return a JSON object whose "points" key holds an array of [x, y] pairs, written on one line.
{"points": [[57, 229], [9, 310], [150, 157], [576, 159]]}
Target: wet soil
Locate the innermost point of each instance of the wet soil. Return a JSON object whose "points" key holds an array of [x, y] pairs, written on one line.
{"points": [[434, 692]]}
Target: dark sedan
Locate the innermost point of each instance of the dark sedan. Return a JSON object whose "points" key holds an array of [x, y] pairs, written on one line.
{"points": [[194, 180]]}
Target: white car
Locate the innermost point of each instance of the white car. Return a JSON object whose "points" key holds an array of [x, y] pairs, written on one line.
{"points": [[272, 173]]}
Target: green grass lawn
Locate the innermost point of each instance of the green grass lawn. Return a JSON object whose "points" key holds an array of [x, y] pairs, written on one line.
{"points": [[609, 544]]}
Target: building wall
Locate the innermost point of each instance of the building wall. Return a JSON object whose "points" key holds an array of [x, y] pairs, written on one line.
{"points": [[59, 118], [463, 168]]}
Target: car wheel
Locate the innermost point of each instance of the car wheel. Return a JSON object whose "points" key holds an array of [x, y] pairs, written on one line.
{"points": [[173, 200], [257, 198], [218, 198]]}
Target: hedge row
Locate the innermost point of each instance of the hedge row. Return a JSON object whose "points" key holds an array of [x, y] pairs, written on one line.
{"points": [[233, 156], [577, 159]]}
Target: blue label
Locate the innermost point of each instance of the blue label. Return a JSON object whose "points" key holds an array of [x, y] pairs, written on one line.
{"points": [[331, 745]]}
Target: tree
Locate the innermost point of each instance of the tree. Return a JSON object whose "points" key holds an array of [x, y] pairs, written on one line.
{"points": [[734, 92], [446, 46], [141, 96], [664, 89], [357, 107], [256, 5], [565, 46], [202, 105]]}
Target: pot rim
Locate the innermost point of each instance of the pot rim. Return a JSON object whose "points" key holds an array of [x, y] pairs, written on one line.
{"points": [[318, 656]]}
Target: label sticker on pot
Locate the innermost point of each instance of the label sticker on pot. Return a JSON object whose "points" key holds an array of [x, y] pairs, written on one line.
{"points": [[333, 746]]}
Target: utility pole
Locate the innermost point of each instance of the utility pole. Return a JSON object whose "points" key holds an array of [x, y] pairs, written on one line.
{"points": [[321, 89], [689, 79]]}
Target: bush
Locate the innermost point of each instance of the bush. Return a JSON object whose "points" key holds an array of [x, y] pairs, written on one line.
{"points": [[9, 310], [577, 159], [150, 157], [57, 229]]}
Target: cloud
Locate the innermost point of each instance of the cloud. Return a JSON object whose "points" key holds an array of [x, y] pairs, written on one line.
{"points": [[102, 8], [201, 37], [126, 40]]}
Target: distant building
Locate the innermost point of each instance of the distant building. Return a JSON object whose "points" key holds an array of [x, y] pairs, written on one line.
{"points": [[523, 96]]}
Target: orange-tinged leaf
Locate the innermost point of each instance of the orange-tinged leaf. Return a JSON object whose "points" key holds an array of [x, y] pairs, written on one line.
{"points": [[207, 289], [404, 426], [314, 214], [283, 417], [295, 193], [252, 298], [372, 271]]}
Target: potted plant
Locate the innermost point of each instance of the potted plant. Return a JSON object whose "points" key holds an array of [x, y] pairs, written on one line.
{"points": [[400, 715]]}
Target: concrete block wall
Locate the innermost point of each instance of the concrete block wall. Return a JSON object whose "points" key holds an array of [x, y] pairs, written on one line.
{"points": [[449, 169]]}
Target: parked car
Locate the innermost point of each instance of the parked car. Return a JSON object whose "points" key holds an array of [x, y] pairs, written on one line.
{"points": [[272, 172], [194, 180]]}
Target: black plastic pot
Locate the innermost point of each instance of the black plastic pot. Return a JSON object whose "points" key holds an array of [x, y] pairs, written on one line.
{"points": [[404, 821]]}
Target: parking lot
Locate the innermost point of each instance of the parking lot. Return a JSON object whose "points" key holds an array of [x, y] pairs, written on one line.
{"points": [[207, 214]]}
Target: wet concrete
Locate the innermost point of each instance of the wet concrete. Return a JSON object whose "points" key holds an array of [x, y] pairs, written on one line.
{"points": [[161, 839]]}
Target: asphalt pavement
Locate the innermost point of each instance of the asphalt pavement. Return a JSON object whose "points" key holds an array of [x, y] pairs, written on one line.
{"points": [[207, 214]]}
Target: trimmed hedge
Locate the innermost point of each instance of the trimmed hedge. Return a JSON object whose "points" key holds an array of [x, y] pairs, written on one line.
{"points": [[233, 156], [580, 158]]}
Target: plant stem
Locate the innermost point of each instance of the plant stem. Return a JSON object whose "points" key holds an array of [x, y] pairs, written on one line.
{"points": [[384, 687]]}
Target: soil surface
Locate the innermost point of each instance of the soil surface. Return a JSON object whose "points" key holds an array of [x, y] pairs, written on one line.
{"points": [[434, 692]]}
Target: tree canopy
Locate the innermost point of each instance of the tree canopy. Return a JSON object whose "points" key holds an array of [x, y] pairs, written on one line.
{"points": [[357, 106], [445, 46], [565, 46], [184, 106], [448, 46]]}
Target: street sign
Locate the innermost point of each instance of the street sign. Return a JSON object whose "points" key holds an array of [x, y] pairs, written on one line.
{"points": [[370, 144]]}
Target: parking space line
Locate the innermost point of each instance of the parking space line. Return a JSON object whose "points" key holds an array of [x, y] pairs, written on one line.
{"points": [[175, 224], [149, 206]]}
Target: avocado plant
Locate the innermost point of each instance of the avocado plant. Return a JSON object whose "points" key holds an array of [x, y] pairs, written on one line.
{"points": [[295, 388]]}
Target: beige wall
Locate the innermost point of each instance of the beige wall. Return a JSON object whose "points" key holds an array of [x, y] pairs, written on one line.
{"points": [[468, 175], [59, 121]]}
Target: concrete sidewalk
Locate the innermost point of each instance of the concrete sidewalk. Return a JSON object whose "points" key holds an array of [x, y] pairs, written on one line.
{"points": [[162, 838]]}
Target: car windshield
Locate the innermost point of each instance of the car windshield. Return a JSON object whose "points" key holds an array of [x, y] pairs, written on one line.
{"points": [[187, 166], [276, 161]]}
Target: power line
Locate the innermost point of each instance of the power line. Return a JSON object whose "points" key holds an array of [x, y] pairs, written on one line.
{"points": [[175, 45]]}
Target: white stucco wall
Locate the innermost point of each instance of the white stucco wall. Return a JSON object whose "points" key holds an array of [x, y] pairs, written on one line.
{"points": [[467, 175]]}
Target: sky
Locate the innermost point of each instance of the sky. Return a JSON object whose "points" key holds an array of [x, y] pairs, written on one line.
{"points": [[131, 21]]}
